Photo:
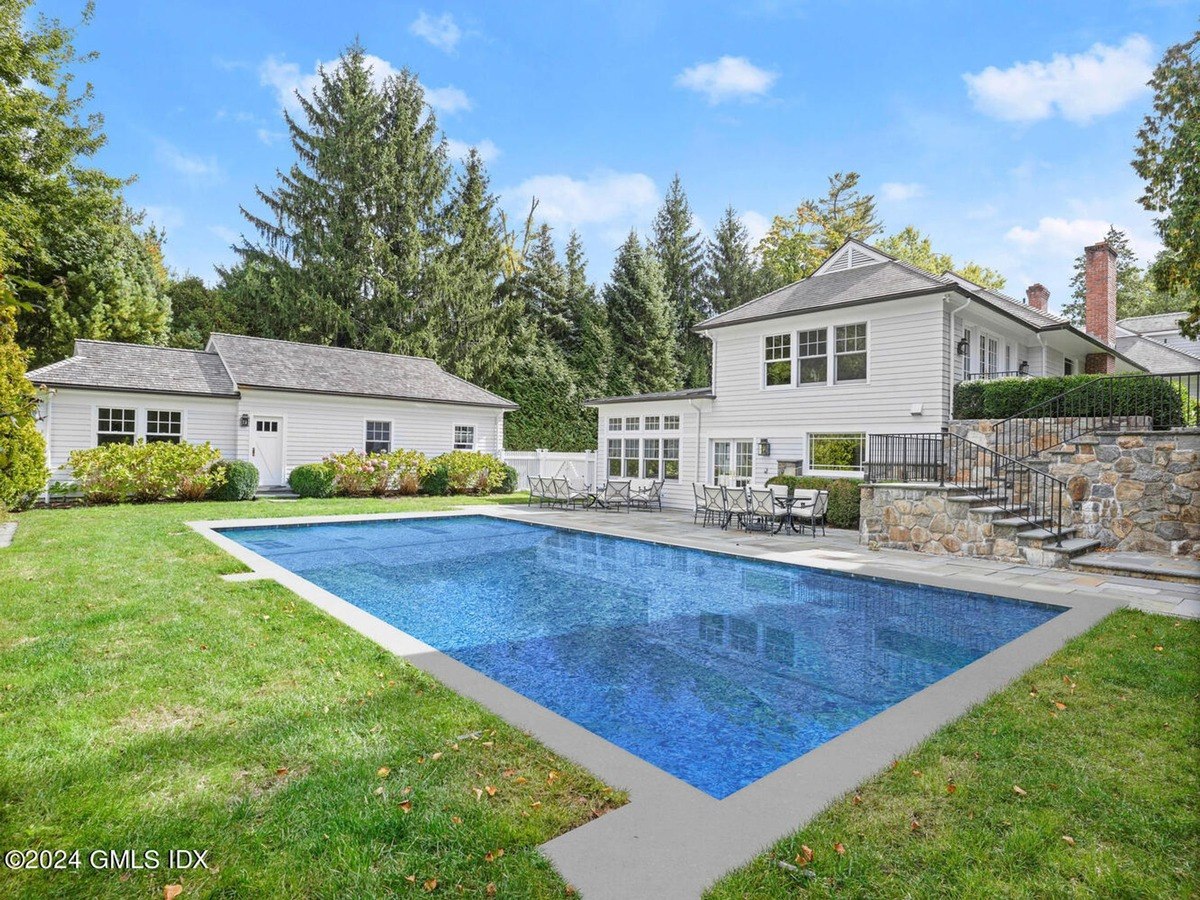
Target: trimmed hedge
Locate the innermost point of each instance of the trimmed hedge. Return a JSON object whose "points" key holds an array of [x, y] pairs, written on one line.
{"points": [[843, 496], [312, 480], [1121, 396], [472, 472], [241, 480]]}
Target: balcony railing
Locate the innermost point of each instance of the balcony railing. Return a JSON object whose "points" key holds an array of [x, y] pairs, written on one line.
{"points": [[988, 376]]}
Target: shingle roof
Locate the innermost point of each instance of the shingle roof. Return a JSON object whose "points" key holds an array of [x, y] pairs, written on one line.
{"points": [[1160, 322], [1030, 315], [138, 367], [1156, 357], [702, 393], [875, 281], [314, 368]]}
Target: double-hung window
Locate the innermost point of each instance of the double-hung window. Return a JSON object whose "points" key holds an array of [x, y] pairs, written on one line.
{"points": [[850, 351], [164, 426], [115, 425], [464, 437], [379, 437], [614, 457], [671, 459], [632, 458], [811, 347], [651, 461], [777, 360]]}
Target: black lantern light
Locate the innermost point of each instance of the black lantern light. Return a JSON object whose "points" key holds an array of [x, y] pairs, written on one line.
{"points": [[764, 447], [245, 420], [963, 346]]}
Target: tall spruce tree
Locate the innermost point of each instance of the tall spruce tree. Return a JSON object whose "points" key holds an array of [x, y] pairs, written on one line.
{"points": [[588, 347], [543, 290], [641, 323], [680, 253], [733, 275], [1135, 294]]}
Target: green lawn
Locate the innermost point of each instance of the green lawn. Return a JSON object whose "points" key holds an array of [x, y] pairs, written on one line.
{"points": [[146, 704]]}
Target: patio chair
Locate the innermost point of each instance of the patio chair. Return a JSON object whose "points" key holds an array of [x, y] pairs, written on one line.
{"points": [[616, 495], [716, 507], [813, 515], [560, 492], [537, 490], [649, 497], [761, 511], [579, 493], [737, 504], [700, 502]]}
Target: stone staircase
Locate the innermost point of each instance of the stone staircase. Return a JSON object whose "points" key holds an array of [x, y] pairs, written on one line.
{"points": [[280, 492], [1014, 533]]}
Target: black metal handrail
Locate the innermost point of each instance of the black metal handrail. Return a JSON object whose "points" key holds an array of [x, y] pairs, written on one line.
{"points": [[1025, 493], [988, 376], [1139, 401]]}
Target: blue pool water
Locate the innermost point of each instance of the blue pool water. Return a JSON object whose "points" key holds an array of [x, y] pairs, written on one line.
{"points": [[714, 668]]}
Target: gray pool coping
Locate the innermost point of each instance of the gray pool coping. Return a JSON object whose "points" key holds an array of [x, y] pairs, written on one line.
{"points": [[672, 840]]}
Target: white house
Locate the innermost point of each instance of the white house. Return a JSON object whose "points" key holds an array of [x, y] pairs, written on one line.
{"points": [[276, 403], [866, 344]]}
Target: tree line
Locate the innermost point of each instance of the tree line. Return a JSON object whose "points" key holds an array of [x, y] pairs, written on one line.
{"points": [[373, 238]]}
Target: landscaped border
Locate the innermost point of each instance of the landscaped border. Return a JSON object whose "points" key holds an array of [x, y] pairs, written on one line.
{"points": [[672, 840]]}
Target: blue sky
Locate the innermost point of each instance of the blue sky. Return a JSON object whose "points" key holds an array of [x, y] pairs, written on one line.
{"points": [[1004, 130]]}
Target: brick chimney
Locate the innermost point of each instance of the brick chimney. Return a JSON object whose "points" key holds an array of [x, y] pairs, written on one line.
{"points": [[1038, 297], [1100, 304]]}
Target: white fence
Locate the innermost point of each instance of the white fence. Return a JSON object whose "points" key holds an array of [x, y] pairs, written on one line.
{"points": [[551, 464]]}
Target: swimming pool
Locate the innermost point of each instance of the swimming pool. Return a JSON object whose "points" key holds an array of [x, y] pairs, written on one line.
{"points": [[716, 669]]}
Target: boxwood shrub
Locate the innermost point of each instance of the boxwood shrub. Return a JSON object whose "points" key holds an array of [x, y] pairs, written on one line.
{"points": [[436, 481], [511, 479], [1117, 395], [241, 480], [843, 496], [312, 480]]}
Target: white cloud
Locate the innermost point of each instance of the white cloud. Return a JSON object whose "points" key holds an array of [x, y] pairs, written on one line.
{"points": [[757, 225], [1079, 87], [602, 197], [1055, 234], [286, 79], [269, 137], [194, 168], [899, 191], [486, 148], [165, 217], [441, 32], [228, 235], [729, 78]]}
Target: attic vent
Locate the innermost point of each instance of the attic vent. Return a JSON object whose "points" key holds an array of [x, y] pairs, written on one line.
{"points": [[839, 263], [858, 258]]}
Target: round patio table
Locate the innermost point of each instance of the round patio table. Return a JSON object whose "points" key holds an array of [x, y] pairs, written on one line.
{"points": [[788, 505]]}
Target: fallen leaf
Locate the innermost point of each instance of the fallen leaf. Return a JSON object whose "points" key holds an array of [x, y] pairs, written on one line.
{"points": [[436, 756], [917, 773], [478, 793], [490, 890], [406, 806], [457, 820], [805, 856], [914, 825], [951, 787], [1158, 648], [553, 775], [570, 890], [171, 891], [857, 801], [493, 855], [488, 744], [509, 773], [1018, 790], [1059, 705], [411, 879], [384, 772], [536, 804], [839, 848], [282, 770], [491, 791], [431, 885], [1068, 840], [379, 790], [520, 779]]}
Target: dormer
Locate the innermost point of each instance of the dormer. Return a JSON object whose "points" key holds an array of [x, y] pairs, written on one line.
{"points": [[851, 255]]}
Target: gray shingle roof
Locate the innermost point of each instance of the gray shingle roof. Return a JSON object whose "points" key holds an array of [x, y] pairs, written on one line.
{"points": [[702, 393], [1161, 322], [869, 282], [1030, 315], [138, 367], [314, 368], [1155, 356]]}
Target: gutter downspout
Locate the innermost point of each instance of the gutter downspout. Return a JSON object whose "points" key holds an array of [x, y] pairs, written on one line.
{"points": [[1042, 341], [699, 417], [950, 409]]}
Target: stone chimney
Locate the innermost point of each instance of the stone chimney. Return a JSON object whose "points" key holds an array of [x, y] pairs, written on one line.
{"points": [[1038, 297], [1100, 304]]}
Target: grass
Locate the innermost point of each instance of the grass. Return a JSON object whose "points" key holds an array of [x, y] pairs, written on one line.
{"points": [[147, 704], [1079, 780]]}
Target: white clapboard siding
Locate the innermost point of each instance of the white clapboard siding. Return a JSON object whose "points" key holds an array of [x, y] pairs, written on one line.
{"points": [[675, 493]]}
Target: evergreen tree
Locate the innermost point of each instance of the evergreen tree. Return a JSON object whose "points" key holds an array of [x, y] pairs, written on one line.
{"points": [[795, 245], [733, 275], [22, 449], [1134, 292], [680, 253], [641, 323], [588, 347], [916, 249], [543, 287], [198, 310]]}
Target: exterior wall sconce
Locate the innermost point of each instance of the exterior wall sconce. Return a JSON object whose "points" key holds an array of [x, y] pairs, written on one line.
{"points": [[1023, 368], [963, 346], [245, 420], [764, 447]]}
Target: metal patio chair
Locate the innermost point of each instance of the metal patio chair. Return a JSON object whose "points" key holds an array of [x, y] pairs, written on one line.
{"points": [[616, 495], [761, 511], [737, 505], [716, 507], [700, 501], [649, 497]]}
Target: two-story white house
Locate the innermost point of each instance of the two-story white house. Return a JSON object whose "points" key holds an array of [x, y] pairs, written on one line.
{"points": [[866, 344]]}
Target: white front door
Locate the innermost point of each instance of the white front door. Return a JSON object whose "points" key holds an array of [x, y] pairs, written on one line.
{"points": [[266, 450]]}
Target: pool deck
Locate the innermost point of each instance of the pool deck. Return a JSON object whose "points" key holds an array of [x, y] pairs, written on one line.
{"points": [[672, 840]]}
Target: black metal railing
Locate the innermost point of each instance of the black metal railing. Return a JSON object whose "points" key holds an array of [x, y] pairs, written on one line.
{"points": [[942, 458], [1137, 402], [988, 376]]}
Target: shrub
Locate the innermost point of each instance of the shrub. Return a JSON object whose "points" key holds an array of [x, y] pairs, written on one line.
{"points": [[510, 482], [436, 482], [359, 474], [145, 472], [1091, 395], [312, 480], [406, 469], [23, 469], [843, 496], [472, 472], [240, 482]]}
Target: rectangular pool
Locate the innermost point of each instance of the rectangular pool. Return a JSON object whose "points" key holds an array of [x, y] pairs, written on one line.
{"points": [[715, 668]]}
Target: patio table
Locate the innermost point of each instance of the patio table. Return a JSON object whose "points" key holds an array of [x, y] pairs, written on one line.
{"points": [[788, 505]]}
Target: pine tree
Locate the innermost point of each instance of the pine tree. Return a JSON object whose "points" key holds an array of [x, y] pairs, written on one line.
{"points": [[22, 448], [1134, 293], [543, 287], [588, 347], [641, 323], [733, 275], [680, 253]]}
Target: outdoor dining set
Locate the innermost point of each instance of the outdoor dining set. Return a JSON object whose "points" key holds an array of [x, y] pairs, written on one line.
{"points": [[768, 509]]}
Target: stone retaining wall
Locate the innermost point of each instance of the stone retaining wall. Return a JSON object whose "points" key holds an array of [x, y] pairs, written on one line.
{"points": [[1039, 434], [922, 517]]}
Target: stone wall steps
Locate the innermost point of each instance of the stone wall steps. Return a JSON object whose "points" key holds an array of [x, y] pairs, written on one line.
{"points": [[1140, 565]]}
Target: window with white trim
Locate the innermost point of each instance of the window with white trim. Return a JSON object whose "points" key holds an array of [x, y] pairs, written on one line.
{"points": [[464, 437], [967, 356], [614, 457], [733, 462], [837, 452], [850, 353], [1068, 366], [651, 458], [632, 423], [614, 424], [812, 350], [777, 360], [379, 436], [1008, 366], [670, 423], [633, 458], [670, 453], [164, 426], [116, 425], [652, 423]]}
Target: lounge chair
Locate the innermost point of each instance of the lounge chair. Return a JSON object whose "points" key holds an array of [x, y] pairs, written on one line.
{"points": [[616, 495], [649, 497]]}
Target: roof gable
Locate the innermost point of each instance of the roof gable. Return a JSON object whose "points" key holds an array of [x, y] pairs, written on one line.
{"points": [[850, 255]]}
